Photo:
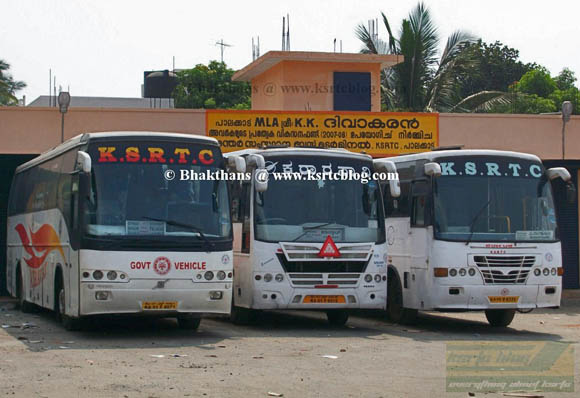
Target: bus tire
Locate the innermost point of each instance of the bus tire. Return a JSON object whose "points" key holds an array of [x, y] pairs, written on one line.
{"points": [[188, 322], [395, 310], [24, 305], [68, 322], [242, 316], [337, 317], [500, 318]]}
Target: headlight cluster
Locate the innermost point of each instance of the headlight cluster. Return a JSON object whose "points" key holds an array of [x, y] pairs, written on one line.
{"points": [[462, 271], [548, 271], [269, 277], [110, 276], [210, 275], [378, 278]]}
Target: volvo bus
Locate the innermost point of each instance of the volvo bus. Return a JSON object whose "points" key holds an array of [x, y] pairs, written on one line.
{"points": [[473, 230], [307, 243], [102, 224]]}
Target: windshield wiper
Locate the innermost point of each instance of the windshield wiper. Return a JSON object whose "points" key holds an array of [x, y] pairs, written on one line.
{"points": [[183, 225], [475, 218], [308, 229]]}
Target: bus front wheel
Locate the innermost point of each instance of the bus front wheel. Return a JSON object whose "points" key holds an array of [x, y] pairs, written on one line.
{"points": [[395, 310], [188, 322], [69, 323], [337, 317], [500, 318]]}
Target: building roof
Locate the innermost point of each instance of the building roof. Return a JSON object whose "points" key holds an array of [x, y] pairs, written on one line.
{"points": [[107, 102], [271, 58]]}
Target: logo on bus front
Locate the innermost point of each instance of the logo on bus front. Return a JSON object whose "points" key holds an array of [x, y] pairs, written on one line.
{"points": [[162, 265]]}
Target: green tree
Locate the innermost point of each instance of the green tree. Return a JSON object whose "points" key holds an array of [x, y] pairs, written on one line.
{"points": [[210, 86], [538, 82], [8, 86], [423, 81], [565, 80], [497, 67]]}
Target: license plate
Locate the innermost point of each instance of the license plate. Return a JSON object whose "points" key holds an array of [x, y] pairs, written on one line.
{"points": [[159, 305], [503, 299], [324, 299]]}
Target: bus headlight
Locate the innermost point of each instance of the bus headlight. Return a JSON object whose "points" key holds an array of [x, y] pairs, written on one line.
{"points": [[452, 272], [546, 271], [111, 275], [221, 275], [471, 272], [368, 278], [537, 272], [554, 271], [268, 278], [377, 278], [279, 277], [208, 275], [462, 272], [98, 275]]}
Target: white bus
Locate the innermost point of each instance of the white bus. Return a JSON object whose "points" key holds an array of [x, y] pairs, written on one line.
{"points": [[473, 230], [98, 226], [307, 244]]}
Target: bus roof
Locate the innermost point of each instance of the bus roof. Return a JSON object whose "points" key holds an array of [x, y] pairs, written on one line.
{"points": [[462, 152], [301, 151], [87, 137]]}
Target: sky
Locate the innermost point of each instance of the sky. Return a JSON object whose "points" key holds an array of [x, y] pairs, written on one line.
{"points": [[102, 47]]}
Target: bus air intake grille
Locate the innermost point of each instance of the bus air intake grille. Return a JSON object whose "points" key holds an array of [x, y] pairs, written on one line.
{"points": [[499, 277], [333, 266], [504, 261]]}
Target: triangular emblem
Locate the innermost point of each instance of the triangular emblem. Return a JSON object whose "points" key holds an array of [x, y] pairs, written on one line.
{"points": [[328, 249]]}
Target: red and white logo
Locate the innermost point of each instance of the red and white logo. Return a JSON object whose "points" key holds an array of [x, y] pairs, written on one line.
{"points": [[505, 291], [162, 265], [329, 249]]}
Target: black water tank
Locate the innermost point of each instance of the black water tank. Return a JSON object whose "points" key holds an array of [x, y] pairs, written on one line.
{"points": [[159, 84]]}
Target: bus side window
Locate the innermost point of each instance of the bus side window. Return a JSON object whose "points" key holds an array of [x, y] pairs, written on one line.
{"points": [[397, 207], [419, 206]]}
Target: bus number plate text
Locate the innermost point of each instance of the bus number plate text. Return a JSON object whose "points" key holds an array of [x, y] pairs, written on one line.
{"points": [[159, 305], [503, 299], [324, 299]]}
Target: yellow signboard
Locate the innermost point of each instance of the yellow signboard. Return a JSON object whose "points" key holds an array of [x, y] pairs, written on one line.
{"points": [[377, 134]]}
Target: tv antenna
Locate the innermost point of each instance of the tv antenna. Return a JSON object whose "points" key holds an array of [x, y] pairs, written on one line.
{"points": [[286, 33], [222, 45]]}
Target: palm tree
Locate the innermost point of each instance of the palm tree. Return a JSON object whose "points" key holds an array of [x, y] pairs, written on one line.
{"points": [[8, 86], [422, 82]]}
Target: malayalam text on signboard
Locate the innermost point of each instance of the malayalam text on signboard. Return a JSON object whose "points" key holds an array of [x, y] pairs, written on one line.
{"points": [[377, 134]]}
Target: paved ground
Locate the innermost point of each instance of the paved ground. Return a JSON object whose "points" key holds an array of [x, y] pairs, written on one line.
{"points": [[283, 354]]}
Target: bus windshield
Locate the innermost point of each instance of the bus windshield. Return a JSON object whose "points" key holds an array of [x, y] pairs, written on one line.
{"points": [[132, 197], [493, 199], [310, 210]]}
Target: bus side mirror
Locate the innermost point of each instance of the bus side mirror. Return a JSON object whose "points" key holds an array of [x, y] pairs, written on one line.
{"points": [[570, 193], [256, 161], [384, 165], [83, 162], [237, 163], [432, 169], [558, 172]]}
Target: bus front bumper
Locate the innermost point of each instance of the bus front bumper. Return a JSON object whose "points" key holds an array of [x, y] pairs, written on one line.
{"points": [[483, 297], [146, 297], [320, 298]]}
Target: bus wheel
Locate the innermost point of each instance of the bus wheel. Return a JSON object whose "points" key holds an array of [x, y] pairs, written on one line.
{"points": [[188, 322], [397, 313], [24, 305], [69, 323], [500, 318], [242, 316], [337, 317]]}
